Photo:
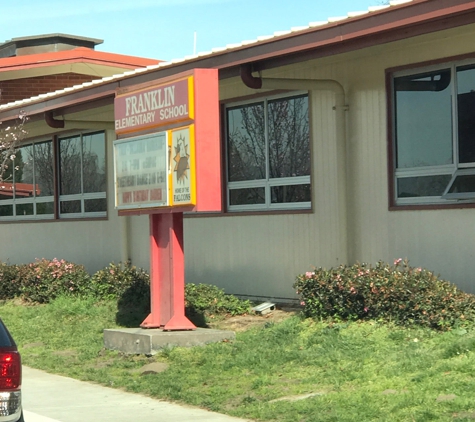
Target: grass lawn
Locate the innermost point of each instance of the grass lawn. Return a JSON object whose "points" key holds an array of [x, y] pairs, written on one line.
{"points": [[294, 370]]}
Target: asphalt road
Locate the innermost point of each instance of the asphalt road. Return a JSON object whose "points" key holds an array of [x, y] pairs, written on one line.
{"points": [[53, 398]]}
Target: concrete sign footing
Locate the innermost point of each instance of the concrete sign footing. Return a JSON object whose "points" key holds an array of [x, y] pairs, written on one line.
{"points": [[140, 341]]}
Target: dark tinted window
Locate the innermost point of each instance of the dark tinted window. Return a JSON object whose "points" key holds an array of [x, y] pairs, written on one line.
{"points": [[5, 340]]}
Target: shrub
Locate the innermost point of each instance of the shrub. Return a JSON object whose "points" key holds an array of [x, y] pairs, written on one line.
{"points": [[9, 281], [121, 281], [211, 300], [397, 293], [44, 280]]}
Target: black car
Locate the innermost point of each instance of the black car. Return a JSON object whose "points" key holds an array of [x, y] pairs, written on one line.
{"points": [[10, 378]]}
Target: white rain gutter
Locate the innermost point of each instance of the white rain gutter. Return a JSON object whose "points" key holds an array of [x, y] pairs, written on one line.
{"points": [[314, 85]]}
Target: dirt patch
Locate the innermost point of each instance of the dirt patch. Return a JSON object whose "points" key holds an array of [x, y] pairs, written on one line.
{"points": [[153, 368], [298, 397], [446, 397], [65, 353], [103, 364], [245, 322], [32, 345], [464, 415]]}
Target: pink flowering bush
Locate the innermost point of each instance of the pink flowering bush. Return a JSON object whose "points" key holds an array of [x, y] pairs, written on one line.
{"points": [[398, 293], [44, 280]]}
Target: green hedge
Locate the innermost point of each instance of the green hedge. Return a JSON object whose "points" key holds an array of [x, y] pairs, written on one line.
{"points": [[44, 280], [397, 293], [211, 300], [10, 281]]}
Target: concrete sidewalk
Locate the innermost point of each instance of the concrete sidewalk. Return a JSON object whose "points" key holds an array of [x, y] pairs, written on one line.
{"points": [[53, 398]]}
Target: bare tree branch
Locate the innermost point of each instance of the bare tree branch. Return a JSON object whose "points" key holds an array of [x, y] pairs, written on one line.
{"points": [[10, 139]]}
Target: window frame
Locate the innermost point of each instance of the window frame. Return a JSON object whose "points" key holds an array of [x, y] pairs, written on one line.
{"points": [[395, 174], [56, 197], [33, 200], [82, 196], [267, 183]]}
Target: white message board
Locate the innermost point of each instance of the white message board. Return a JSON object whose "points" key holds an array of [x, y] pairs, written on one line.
{"points": [[141, 171]]}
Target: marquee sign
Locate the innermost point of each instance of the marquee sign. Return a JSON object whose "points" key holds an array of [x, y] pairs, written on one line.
{"points": [[167, 155], [167, 161]]}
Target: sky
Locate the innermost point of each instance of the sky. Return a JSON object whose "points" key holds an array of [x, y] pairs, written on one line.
{"points": [[167, 29]]}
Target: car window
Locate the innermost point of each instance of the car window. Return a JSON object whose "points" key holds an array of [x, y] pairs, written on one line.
{"points": [[5, 339]]}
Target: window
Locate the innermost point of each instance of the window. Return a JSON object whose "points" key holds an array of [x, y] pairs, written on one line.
{"points": [[268, 154], [82, 176], [31, 191], [434, 133]]}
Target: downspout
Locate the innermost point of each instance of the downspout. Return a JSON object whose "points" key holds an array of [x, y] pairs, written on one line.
{"points": [[76, 124], [313, 85], [52, 122]]}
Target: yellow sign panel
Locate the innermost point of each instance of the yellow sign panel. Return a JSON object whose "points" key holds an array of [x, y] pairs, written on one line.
{"points": [[183, 171]]}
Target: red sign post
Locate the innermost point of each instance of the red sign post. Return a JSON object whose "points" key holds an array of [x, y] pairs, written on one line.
{"points": [[169, 166]]}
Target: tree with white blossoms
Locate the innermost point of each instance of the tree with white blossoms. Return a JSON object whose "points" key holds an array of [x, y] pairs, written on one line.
{"points": [[11, 136]]}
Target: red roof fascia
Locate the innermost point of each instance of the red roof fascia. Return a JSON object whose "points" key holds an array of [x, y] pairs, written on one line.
{"points": [[6, 189], [76, 55], [21, 189]]}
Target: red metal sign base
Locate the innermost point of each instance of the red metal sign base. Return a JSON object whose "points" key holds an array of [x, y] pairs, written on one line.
{"points": [[167, 274]]}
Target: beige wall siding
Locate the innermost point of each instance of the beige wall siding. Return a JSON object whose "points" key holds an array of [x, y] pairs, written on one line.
{"points": [[256, 256], [260, 255], [442, 241], [92, 243], [244, 246], [367, 185], [139, 241]]}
